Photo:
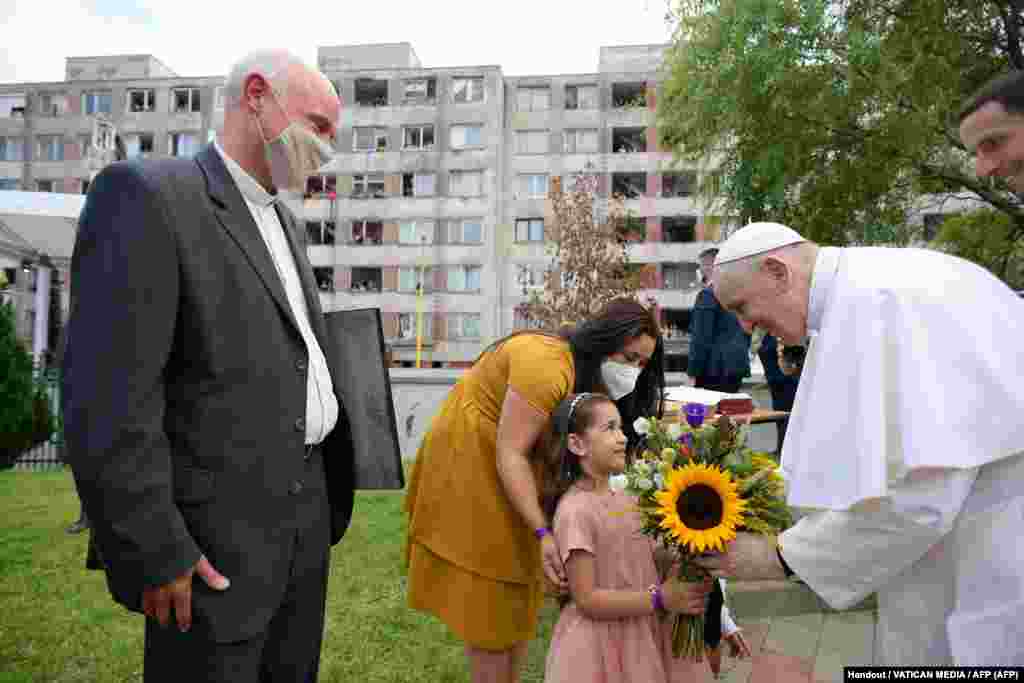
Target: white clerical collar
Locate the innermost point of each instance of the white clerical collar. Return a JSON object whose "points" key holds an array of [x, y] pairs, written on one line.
{"points": [[247, 185], [825, 268]]}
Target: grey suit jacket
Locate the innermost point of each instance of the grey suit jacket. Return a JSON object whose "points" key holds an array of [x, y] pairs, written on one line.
{"points": [[184, 389]]}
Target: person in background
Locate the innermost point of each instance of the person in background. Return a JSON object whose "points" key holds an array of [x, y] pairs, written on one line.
{"points": [[719, 356]]}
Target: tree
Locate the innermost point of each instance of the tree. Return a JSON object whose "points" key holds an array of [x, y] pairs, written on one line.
{"points": [[24, 408], [590, 263], [836, 115], [984, 237]]}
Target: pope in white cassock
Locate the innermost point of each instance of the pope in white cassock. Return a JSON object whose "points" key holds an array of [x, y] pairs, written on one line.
{"points": [[906, 439]]}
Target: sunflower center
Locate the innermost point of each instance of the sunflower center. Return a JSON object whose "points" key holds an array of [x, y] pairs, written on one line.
{"points": [[700, 507]]}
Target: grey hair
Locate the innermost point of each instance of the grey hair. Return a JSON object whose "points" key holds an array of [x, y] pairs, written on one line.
{"points": [[273, 65]]}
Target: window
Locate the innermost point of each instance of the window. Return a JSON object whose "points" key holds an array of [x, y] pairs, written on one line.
{"points": [[141, 100], [679, 228], [468, 89], [409, 279], [629, 140], [418, 137], [11, 184], [533, 185], [524, 321], [581, 97], [184, 100], [464, 326], [368, 186], [320, 232], [407, 325], [530, 277], [530, 230], [12, 106], [324, 278], [218, 98], [467, 136], [532, 142], [96, 102], [581, 141], [416, 232], [136, 145], [367, 280], [46, 186], [464, 279], [50, 148], [419, 90], [367, 232], [680, 276], [12, 149], [466, 184], [183, 144], [469, 231], [371, 92], [629, 185], [628, 95], [533, 99], [418, 184], [678, 184], [370, 139], [52, 104], [321, 185]]}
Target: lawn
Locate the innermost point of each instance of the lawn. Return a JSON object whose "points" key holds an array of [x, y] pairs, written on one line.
{"points": [[57, 622]]}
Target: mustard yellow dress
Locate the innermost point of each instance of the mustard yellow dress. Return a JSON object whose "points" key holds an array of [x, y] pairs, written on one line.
{"points": [[472, 561]]}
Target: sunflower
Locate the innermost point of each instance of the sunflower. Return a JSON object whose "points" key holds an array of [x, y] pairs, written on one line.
{"points": [[700, 507]]}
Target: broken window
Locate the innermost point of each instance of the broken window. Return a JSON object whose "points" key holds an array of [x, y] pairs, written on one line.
{"points": [[183, 144], [418, 137], [368, 186], [45, 186], [185, 100], [680, 276], [629, 140], [464, 326], [628, 95], [532, 141], [50, 147], [371, 92], [96, 102], [533, 185], [466, 183], [324, 278], [12, 106], [533, 98], [367, 232], [141, 100], [530, 230], [678, 184], [367, 280], [629, 185], [581, 97], [51, 104], [416, 232], [581, 141], [679, 228], [419, 91], [468, 89], [370, 139], [320, 232], [12, 149], [469, 231], [418, 184], [467, 136]]}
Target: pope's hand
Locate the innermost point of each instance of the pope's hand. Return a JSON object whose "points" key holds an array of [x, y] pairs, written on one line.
{"points": [[750, 557]]}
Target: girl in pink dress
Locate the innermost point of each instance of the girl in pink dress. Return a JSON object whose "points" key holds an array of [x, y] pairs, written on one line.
{"points": [[611, 630]]}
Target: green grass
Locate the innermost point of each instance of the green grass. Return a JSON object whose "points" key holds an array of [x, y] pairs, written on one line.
{"points": [[58, 623]]}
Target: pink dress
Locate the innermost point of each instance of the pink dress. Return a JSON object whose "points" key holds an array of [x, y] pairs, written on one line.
{"points": [[582, 649]]}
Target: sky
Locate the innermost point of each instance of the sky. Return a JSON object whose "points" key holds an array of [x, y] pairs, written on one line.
{"points": [[197, 38]]}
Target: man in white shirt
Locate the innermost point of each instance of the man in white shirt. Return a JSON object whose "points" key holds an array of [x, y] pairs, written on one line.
{"points": [[203, 425], [906, 439]]}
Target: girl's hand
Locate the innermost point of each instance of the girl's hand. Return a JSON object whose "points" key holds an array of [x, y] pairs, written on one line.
{"points": [[686, 598]]}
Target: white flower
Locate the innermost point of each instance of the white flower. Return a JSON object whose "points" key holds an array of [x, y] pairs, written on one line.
{"points": [[644, 484], [618, 482], [674, 430], [643, 468], [659, 480], [641, 426]]}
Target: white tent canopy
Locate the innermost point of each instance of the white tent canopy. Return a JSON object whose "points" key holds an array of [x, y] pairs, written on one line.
{"points": [[45, 222]]}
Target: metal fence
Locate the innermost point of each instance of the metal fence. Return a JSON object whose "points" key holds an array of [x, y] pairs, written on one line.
{"points": [[47, 455]]}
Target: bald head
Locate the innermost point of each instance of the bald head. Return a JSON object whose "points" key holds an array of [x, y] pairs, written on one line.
{"points": [[280, 68]]}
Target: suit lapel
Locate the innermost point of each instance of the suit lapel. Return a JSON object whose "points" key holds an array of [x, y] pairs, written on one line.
{"points": [[235, 217], [309, 288]]}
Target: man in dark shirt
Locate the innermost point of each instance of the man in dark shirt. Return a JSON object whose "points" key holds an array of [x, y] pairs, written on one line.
{"points": [[719, 347]]}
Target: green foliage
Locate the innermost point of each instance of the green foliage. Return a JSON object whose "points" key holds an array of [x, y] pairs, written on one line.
{"points": [[833, 115], [25, 416], [989, 238]]}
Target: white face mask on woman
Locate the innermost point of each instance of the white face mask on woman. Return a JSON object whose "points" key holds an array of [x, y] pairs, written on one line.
{"points": [[619, 378], [294, 155]]}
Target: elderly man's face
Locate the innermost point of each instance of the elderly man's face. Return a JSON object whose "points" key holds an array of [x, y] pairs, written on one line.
{"points": [[310, 101], [768, 298], [996, 138]]}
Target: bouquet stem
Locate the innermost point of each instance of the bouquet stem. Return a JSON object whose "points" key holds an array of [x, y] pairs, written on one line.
{"points": [[687, 629]]}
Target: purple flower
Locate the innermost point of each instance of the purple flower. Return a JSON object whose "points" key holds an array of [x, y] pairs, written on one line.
{"points": [[695, 414]]}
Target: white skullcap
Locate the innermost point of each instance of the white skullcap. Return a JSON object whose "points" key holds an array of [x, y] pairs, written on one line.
{"points": [[754, 239]]}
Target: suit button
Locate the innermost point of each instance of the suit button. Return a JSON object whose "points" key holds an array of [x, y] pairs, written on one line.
{"points": [[300, 365], [300, 425], [296, 488]]}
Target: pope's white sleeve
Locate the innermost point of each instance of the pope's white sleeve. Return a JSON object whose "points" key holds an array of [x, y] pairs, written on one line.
{"points": [[844, 556], [728, 625]]}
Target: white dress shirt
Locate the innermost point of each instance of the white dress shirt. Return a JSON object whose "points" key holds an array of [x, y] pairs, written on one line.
{"points": [[321, 403]]}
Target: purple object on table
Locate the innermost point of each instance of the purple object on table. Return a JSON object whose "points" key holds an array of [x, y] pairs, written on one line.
{"points": [[695, 414]]}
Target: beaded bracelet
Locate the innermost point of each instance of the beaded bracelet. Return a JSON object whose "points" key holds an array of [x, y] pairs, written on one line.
{"points": [[656, 598], [541, 532]]}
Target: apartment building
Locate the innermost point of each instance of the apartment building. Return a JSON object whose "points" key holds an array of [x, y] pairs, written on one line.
{"points": [[434, 209]]}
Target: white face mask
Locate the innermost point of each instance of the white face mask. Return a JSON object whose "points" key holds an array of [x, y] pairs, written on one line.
{"points": [[619, 378], [294, 155]]}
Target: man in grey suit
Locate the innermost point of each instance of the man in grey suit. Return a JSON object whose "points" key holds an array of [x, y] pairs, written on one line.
{"points": [[203, 426]]}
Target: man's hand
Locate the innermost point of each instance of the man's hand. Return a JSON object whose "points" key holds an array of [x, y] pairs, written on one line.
{"points": [[551, 559], [751, 557], [738, 647], [158, 601]]}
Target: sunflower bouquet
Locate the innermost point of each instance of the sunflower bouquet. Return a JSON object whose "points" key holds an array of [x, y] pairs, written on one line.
{"points": [[697, 484]]}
